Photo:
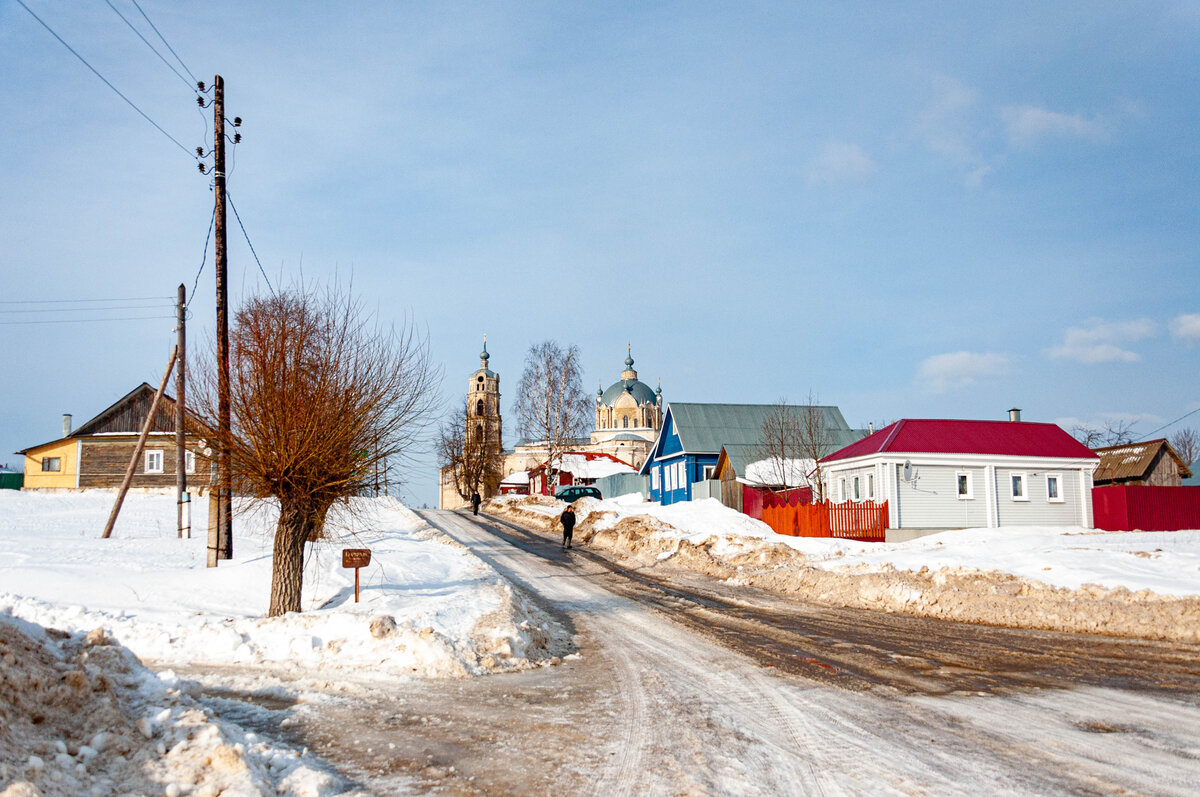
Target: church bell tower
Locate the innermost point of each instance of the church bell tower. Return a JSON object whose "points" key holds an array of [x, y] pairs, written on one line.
{"points": [[483, 405]]}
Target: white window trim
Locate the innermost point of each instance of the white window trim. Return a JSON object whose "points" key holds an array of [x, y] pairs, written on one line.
{"points": [[1024, 486], [153, 454], [870, 486], [969, 495], [1058, 477], [189, 462], [857, 493], [841, 490], [709, 470]]}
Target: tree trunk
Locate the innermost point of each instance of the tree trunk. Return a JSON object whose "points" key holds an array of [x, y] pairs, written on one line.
{"points": [[287, 561]]}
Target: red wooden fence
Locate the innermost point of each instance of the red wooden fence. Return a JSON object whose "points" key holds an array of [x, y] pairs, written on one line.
{"points": [[1128, 508], [848, 521]]}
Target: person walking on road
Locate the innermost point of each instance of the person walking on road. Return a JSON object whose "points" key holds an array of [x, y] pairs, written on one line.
{"points": [[567, 518], [474, 503]]}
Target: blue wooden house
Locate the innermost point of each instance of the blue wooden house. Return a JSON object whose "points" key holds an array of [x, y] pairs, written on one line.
{"points": [[692, 435]]}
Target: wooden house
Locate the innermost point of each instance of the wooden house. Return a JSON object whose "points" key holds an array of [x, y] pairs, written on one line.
{"points": [[946, 474], [1152, 463], [97, 454], [577, 467], [692, 436]]}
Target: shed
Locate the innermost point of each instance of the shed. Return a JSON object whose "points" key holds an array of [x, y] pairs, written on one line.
{"points": [[1152, 463]]}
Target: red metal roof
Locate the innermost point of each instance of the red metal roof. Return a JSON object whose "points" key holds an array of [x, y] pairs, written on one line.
{"points": [[922, 436]]}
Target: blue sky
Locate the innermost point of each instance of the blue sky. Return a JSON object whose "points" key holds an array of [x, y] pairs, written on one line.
{"points": [[908, 209]]}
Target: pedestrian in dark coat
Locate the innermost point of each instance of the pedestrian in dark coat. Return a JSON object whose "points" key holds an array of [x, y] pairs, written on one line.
{"points": [[474, 503], [567, 518]]}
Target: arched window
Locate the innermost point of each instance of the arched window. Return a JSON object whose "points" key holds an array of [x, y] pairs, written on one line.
{"points": [[625, 421], [479, 432], [479, 407]]}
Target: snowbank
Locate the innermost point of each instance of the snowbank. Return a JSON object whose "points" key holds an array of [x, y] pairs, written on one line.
{"points": [[79, 714], [1144, 584], [428, 606]]}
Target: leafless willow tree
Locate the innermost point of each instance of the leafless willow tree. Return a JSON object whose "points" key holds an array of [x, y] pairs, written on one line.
{"points": [[475, 462], [1186, 443], [320, 395], [552, 407], [1109, 433]]}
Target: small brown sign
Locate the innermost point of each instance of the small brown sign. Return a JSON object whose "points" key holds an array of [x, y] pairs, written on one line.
{"points": [[356, 557]]}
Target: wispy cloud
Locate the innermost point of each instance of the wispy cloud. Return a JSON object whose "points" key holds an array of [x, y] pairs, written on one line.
{"points": [[945, 126], [841, 162], [1026, 125], [1101, 342], [1186, 327], [942, 372]]}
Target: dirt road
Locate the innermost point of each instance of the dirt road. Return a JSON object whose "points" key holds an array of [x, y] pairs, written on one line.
{"points": [[701, 688]]}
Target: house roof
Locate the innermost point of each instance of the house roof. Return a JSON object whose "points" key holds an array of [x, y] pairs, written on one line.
{"points": [[1004, 438], [705, 428], [1133, 460]]}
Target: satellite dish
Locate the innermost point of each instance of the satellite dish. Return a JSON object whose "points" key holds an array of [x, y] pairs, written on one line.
{"points": [[908, 471]]}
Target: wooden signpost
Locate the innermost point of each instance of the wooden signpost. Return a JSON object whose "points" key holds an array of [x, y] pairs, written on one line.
{"points": [[356, 558]]}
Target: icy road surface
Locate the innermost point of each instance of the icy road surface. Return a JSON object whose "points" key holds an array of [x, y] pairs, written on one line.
{"points": [[703, 688]]}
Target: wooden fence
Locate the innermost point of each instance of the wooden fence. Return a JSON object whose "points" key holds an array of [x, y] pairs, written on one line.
{"points": [[865, 521]]}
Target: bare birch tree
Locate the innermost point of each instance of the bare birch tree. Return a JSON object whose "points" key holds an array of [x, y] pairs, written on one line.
{"points": [[794, 434], [320, 396], [1186, 443], [1109, 433], [552, 407], [475, 461]]}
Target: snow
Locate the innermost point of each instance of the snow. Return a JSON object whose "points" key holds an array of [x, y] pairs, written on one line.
{"points": [[766, 471], [581, 467], [1166, 562], [452, 614]]}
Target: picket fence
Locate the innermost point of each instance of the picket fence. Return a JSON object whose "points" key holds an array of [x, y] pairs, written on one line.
{"points": [[866, 522]]}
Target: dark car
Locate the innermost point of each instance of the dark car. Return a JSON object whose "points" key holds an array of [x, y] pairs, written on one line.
{"points": [[575, 492]]}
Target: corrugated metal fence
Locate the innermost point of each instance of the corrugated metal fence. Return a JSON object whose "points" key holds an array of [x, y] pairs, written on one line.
{"points": [[622, 484], [1129, 508], [865, 521]]}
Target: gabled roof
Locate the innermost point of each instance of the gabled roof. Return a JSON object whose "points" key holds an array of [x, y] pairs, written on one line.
{"points": [[116, 419], [1002, 438], [1134, 461], [704, 428]]}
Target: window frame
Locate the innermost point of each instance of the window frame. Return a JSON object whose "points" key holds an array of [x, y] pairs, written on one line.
{"points": [[1013, 476], [1058, 486], [189, 462], [51, 464], [969, 494], [856, 492], [841, 485], [150, 455], [870, 486]]}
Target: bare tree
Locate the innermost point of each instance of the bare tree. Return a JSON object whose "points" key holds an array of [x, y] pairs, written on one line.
{"points": [[794, 438], [1186, 443], [320, 396], [1109, 433], [552, 407], [474, 461]]}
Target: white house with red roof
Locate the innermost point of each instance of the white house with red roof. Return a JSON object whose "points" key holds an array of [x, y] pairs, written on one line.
{"points": [[948, 474]]}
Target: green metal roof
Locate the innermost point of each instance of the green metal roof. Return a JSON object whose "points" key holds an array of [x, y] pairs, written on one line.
{"points": [[705, 428]]}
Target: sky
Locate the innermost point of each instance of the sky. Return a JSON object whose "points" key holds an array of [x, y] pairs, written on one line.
{"points": [[904, 210]]}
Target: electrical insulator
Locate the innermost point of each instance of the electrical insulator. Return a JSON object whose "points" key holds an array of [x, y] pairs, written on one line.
{"points": [[200, 101], [237, 138], [200, 85], [200, 166], [199, 152], [237, 121]]}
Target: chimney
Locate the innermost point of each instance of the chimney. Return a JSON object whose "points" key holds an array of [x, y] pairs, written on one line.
{"points": [[66, 424], [1014, 415], [871, 428]]}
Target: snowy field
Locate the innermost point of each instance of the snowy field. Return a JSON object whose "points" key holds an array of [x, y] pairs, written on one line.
{"points": [[450, 615]]}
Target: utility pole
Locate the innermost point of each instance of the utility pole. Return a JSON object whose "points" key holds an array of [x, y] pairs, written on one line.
{"points": [[224, 482], [181, 495]]}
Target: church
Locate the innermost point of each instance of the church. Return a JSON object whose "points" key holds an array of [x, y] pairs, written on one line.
{"points": [[628, 417]]}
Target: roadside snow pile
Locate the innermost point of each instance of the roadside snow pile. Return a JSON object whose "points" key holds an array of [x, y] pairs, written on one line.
{"points": [[428, 607], [1143, 584], [80, 715]]}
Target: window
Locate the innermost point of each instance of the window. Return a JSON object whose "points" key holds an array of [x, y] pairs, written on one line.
{"points": [[870, 486], [479, 407], [708, 471], [625, 421], [51, 464], [841, 489], [1017, 481], [654, 478], [856, 493], [189, 461], [154, 461], [964, 486], [1054, 488]]}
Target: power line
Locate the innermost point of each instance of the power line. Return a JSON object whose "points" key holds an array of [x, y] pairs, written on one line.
{"points": [[87, 320], [203, 259], [72, 301], [161, 57], [85, 309], [247, 236], [1172, 423], [164, 41], [105, 80]]}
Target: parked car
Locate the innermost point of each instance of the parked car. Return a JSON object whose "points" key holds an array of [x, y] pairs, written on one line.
{"points": [[575, 492]]}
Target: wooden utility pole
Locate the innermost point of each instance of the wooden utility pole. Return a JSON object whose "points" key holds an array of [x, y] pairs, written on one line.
{"points": [[224, 483], [137, 449], [184, 513]]}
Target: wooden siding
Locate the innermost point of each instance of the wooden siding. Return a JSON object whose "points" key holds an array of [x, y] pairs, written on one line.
{"points": [[103, 463]]}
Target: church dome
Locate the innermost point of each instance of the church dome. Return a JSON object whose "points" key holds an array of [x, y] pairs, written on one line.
{"points": [[628, 383]]}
